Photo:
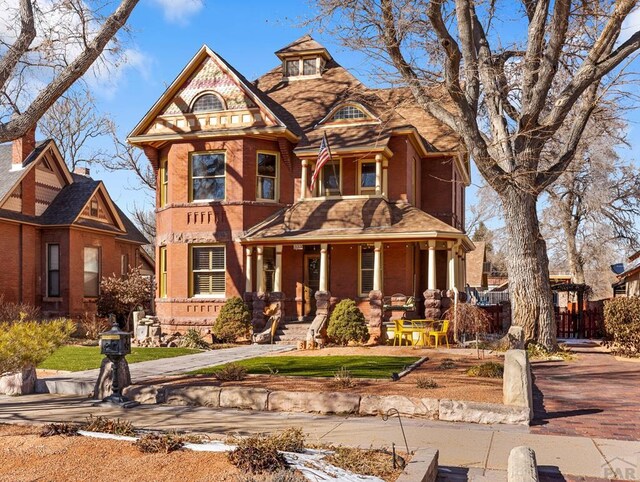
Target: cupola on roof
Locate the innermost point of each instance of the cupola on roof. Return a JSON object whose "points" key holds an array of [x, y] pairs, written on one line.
{"points": [[305, 45]]}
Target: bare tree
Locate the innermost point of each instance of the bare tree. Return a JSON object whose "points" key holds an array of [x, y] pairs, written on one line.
{"points": [[46, 47], [503, 97], [73, 121]]}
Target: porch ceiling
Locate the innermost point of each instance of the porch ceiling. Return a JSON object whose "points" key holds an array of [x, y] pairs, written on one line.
{"points": [[351, 220]]}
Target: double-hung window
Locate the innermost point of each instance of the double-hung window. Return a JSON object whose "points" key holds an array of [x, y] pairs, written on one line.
{"points": [[366, 270], [91, 272], [162, 288], [331, 179], [208, 176], [164, 182], [208, 266], [267, 176], [53, 270], [367, 178]]}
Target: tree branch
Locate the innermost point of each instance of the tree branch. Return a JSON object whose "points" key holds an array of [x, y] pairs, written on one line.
{"points": [[22, 43]]}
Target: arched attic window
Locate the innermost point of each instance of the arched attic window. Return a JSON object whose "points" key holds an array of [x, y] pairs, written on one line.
{"points": [[207, 103], [349, 112]]}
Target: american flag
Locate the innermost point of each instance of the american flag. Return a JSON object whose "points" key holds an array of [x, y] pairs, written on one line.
{"points": [[324, 155]]}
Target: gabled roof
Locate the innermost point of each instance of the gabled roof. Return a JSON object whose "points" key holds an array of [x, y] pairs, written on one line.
{"points": [[475, 264], [350, 219], [304, 44], [258, 97]]}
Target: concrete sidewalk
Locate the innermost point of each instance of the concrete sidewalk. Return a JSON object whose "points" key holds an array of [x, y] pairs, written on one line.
{"points": [[480, 452], [81, 383]]}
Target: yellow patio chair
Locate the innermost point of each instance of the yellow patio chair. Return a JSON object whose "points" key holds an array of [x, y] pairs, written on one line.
{"points": [[399, 332], [441, 333]]}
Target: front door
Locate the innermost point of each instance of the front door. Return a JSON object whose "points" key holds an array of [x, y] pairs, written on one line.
{"points": [[311, 283]]}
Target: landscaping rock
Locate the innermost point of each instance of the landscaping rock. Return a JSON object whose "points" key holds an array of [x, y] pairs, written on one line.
{"points": [[193, 396], [410, 406], [515, 338], [517, 384], [244, 397], [522, 465], [104, 386], [313, 402], [145, 394], [19, 383], [476, 412]]}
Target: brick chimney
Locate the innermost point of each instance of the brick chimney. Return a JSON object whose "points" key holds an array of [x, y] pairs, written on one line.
{"points": [[83, 171], [22, 147]]}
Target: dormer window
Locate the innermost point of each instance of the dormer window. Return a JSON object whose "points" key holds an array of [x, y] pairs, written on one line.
{"points": [[207, 103], [303, 67], [349, 112]]}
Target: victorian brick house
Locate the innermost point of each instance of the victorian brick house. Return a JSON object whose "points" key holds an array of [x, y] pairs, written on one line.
{"points": [[60, 231], [236, 214]]}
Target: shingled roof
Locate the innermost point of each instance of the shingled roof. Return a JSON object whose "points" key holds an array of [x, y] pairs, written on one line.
{"points": [[8, 176], [330, 219]]}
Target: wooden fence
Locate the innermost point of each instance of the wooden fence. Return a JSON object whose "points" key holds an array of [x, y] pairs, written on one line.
{"points": [[572, 325]]}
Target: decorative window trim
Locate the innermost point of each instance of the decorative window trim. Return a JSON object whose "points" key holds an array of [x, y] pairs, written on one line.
{"points": [[364, 190], [223, 104], [327, 121], [49, 294], [224, 176], [162, 278], [192, 272], [276, 189], [94, 208], [84, 270], [320, 63]]}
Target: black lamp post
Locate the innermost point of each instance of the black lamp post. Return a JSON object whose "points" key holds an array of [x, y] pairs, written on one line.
{"points": [[116, 344]]}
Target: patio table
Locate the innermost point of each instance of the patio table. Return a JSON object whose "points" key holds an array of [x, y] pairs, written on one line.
{"points": [[421, 327]]}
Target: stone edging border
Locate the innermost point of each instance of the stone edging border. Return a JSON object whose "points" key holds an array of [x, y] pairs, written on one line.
{"points": [[250, 398]]}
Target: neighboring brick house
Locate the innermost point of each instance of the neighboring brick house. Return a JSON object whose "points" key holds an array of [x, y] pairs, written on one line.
{"points": [[629, 278], [235, 213], [60, 231]]}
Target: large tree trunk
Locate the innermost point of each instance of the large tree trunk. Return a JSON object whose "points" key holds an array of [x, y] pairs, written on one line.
{"points": [[528, 268], [576, 265]]}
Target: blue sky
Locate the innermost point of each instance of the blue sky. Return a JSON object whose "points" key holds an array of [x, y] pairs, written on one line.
{"points": [[167, 33]]}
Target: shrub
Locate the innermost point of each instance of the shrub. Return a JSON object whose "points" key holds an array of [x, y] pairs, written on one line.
{"points": [[109, 425], [447, 364], [343, 379], [153, 443], [426, 383], [231, 372], [93, 325], [347, 324], [261, 453], [470, 320], [376, 463], [233, 322], [28, 343], [192, 339], [17, 311], [122, 296], [622, 326], [486, 370], [66, 429]]}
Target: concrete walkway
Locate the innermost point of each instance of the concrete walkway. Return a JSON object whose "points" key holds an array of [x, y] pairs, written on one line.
{"points": [[478, 452], [81, 383]]}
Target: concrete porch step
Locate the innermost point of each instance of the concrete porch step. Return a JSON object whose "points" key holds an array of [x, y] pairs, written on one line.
{"points": [[291, 332]]}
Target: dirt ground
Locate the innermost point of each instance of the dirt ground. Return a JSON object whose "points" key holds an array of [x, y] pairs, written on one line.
{"points": [[26, 456], [452, 383]]}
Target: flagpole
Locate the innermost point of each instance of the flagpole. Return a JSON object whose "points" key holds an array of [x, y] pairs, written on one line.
{"points": [[333, 164]]}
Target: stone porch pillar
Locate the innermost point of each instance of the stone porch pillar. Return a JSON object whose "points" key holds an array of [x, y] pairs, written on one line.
{"points": [[324, 281], [376, 327], [304, 179], [260, 281], [248, 264], [377, 266], [378, 174], [431, 270], [277, 281]]}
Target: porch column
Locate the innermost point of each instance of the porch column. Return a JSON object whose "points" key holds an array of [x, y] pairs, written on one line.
{"points": [[277, 282], [451, 265], [247, 270], [378, 174], [260, 284], [304, 179], [323, 268], [431, 273], [460, 283], [377, 266]]}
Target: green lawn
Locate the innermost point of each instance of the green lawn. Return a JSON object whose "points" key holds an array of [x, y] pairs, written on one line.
{"points": [[77, 358], [322, 366]]}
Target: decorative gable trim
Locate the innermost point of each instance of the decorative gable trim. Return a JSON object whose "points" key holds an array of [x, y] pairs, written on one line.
{"points": [[112, 211], [139, 133]]}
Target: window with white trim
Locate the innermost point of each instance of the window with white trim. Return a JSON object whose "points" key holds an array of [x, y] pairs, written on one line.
{"points": [[367, 177], [366, 269], [267, 176], [331, 174], [53, 270], [349, 112], [292, 68], [208, 176], [208, 271], [91, 272]]}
